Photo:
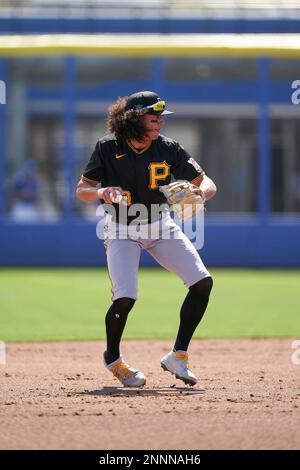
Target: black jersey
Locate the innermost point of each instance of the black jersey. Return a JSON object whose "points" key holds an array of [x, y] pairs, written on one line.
{"points": [[116, 162]]}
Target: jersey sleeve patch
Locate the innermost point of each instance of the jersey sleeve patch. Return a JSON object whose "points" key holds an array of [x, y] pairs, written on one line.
{"points": [[196, 165]]}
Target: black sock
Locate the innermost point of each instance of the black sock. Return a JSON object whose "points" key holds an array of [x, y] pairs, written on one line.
{"points": [[115, 322], [192, 311]]}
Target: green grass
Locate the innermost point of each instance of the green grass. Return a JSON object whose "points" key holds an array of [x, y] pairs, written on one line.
{"points": [[70, 304]]}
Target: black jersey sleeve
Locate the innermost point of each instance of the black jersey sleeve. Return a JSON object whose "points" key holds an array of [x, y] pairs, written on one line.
{"points": [[184, 166], [94, 171]]}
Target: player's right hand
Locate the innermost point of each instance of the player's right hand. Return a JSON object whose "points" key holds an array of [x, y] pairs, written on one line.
{"points": [[111, 194]]}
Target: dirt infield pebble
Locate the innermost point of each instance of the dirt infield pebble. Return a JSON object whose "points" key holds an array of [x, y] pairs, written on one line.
{"points": [[60, 396]]}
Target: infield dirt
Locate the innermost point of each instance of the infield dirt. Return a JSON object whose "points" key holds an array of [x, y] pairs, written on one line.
{"points": [[60, 396]]}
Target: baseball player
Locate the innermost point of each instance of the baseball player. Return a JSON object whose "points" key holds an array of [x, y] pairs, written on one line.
{"points": [[131, 163]]}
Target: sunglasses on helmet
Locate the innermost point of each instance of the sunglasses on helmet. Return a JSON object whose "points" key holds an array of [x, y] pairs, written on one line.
{"points": [[157, 107]]}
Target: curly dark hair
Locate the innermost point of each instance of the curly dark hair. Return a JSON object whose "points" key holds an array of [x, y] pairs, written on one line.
{"points": [[125, 124]]}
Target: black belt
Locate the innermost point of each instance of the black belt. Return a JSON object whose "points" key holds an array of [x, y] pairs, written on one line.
{"points": [[138, 221]]}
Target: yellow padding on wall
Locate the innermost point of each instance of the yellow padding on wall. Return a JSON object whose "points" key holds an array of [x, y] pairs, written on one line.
{"points": [[149, 45]]}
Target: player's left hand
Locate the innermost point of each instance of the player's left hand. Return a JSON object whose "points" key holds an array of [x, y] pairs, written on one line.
{"points": [[185, 198]]}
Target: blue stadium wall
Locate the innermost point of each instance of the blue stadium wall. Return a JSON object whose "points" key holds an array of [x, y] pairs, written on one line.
{"points": [[251, 243], [159, 26]]}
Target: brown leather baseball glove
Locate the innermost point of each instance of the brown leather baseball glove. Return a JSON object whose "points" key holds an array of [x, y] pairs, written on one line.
{"points": [[184, 197]]}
